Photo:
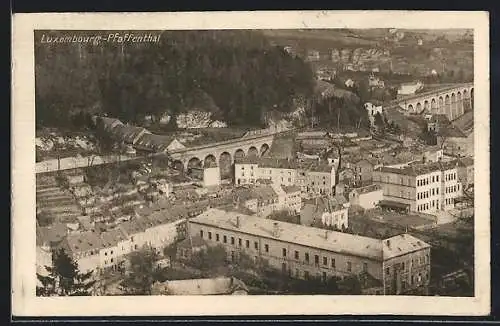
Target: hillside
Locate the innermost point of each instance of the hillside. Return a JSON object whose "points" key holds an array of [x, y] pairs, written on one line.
{"points": [[236, 75]]}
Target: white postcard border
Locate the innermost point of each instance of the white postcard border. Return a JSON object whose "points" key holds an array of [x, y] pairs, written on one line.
{"points": [[24, 301]]}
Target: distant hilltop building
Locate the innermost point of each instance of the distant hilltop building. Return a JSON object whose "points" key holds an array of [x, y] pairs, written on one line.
{"points": [[410, 88], [313, 55]]}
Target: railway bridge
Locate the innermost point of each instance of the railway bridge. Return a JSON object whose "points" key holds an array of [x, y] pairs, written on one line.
{"points": [[453, 101]]}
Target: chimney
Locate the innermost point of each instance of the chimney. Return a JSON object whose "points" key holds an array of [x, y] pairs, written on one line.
{"points": [[238, 221], [326, 234], [388, 243], [276, 230]]}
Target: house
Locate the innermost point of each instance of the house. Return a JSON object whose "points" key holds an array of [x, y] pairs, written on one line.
{"points": [[326, 211], [455, 142], [312, 55], [363, 170], [315, 179], [157, 143], [410, 88], [367, 197], [128, 134], [115, 245], [293, 199], [85, 250], [207, 286], [437, 121], [401, 263]]}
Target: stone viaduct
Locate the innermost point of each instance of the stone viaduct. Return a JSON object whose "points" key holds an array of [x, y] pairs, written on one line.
{"points": [[222, 152], [452, 101]]}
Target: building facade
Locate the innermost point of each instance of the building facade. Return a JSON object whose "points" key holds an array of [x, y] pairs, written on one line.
{"points": [[367, 197], [304, 252], [426, 188]]}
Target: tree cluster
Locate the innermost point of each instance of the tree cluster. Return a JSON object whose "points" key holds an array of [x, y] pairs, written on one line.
{"points": [[64, 278], [236, 75]]}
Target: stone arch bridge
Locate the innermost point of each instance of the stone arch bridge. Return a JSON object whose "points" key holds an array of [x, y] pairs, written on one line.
{"points": [[220, 152], [452, 101]]}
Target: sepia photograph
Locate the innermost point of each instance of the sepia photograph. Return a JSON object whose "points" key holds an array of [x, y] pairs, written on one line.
{"points": [[276, 162]]}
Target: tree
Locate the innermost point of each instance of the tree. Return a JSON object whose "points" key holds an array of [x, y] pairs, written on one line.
{"points": [[209, 259], [64, 278], [139, 280]]}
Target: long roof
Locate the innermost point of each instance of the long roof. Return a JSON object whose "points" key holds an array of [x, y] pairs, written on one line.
{"points": [[85, 241], [343, 243], [419, 169], [154, 142]]}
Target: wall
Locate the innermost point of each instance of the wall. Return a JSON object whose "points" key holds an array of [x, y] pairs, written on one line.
{"points": [[211, 176], [369, 200], [398, 188]]}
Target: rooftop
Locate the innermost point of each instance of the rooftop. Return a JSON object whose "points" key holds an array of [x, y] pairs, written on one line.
{"points": [[338, 242], [154, 142], [112, 237], [50, 234], [419, 168], [81, 242]]}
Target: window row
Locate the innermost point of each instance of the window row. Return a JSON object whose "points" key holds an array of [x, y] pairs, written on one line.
{"points": [[426, 181], [451, 176], [427, 206], [453, 188], [428, 193]]}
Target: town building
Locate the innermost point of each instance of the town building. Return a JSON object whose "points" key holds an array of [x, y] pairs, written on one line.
{"points": [[363, 170], [330, 211], [455, 142], [149, 142], [437, 121], [401, 264], [367, 197], [426, 188], [293, 199]]}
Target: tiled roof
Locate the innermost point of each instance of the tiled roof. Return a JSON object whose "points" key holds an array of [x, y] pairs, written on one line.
{"points": [[343, 243], [419, 169], [247, 160], [132, 227], [269, 162], [402, 244], [81, 242], [112, 237], [128, 133], [154, 142]]}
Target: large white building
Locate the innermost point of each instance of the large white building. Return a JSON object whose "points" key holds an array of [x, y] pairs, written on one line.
{"points": [[426, 188], [400, 264]]}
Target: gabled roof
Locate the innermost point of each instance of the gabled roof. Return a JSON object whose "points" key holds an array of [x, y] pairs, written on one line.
{"points": [[128, 133], [82, 242], [157, 143], [367, 189], [112, 237]]}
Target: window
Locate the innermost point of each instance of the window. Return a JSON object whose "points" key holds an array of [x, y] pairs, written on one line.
{"points": [[284, 252], [333, 262], [349, 266], [387, 271], [403, 265], [306, 275], [105, 253], [248, 243], [256, 245], [225, 239], [316, 259], [437, 178], [437, 191], [365, 267], [296, 254], [201, 234], [266, 247], [111, 251], [132, 239], [306, 256], [232, 240], [111, 259], [105, 262], [217, 237], [325, 261]]}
